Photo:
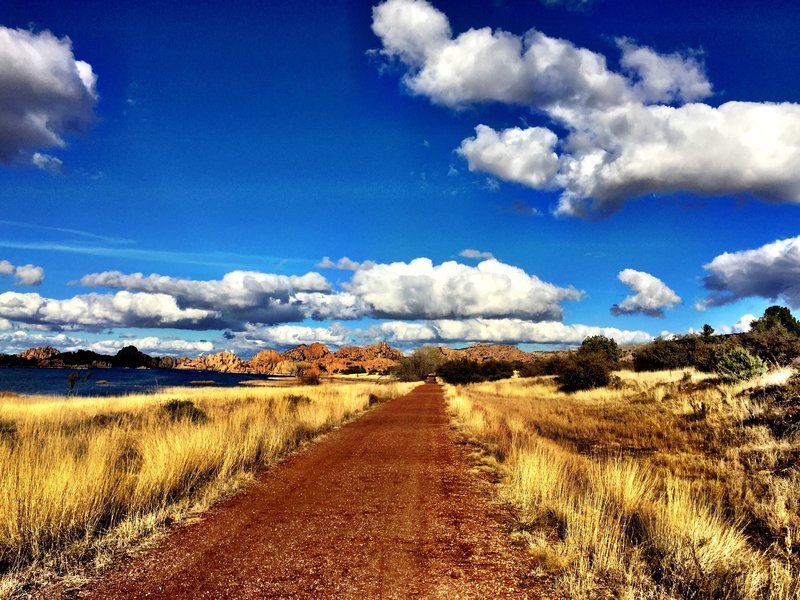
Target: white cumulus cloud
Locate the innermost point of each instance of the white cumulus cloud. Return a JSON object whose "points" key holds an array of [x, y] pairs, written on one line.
{"points": [[651, 298], [627, 134], [421, 290], [771, 271], [255, 338], [524, 156], [153, 346], [741, 326], [23, 274], [45, 93], [344, 264], [99, 311], [240, 296], [505, 331]]}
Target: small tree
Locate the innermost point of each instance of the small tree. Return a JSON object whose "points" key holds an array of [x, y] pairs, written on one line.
{"points": [[600, 344], [707, 331], [419, 364], [776, 317], [584, 371], [739, 365]]}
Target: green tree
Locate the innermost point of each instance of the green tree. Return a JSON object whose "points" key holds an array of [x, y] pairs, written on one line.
{"points": [[417, 365], [776, 317], [707, 331], [776, 345], [600, 344]]}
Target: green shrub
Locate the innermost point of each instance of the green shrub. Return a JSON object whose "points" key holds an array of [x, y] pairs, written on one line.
{"points": [[492, 370], [469, 371], [739, 365], [776, 345], [460, 371], [185, 410], [584, 371]]}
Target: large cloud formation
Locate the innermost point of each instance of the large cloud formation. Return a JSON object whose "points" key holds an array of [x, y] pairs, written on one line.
{"points": [[426, 302], [421, 290], [628, 134], [100, 311], [771, 271], [414, 290], [240, 296], [45, 93], [504, 331], [255, 338], [651, 298]]}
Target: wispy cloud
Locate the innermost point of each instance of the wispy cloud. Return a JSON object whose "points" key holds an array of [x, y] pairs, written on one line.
{"points": [[472, 253], [215, 259], [77, 232]]}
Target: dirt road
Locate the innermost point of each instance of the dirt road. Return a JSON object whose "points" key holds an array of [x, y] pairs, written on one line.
{"points": [[383, 508]]}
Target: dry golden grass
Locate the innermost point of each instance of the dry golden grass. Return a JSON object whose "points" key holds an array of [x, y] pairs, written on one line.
{"points": [[84, 478], [662, 488]]}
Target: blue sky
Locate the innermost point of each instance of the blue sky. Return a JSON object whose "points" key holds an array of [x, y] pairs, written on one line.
{"points": [[254, 139]]}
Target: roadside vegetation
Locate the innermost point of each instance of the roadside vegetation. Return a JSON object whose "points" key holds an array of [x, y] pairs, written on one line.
{"points": [[84, 479], [669, 484]]}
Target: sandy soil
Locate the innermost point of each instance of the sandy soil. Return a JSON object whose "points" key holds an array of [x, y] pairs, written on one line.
{"points": [[385, 507]]}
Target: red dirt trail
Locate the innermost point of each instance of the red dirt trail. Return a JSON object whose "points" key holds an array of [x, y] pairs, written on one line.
{"points": [[385, 507]]}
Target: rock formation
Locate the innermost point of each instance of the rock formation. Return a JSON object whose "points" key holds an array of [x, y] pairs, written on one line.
{"points": [[40, 353], [303, 353], [483, 352], [223, 362], [266, 361]]}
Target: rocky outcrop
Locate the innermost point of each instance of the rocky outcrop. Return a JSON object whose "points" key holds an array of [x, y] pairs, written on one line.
{"points": [[266, 361], [303, 353], [223, 362], [130, 357], [378, 358], [484, 352], [40, 353]]}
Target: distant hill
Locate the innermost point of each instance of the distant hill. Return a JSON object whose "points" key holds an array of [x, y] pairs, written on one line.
{"points": [[316, 357]]}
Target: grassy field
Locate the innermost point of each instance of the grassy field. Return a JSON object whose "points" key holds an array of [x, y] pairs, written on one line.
{"points": [[84, 479], [669, 486]]}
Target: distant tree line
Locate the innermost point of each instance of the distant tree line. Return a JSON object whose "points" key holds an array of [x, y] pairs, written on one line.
{"points": [[773, 339]]}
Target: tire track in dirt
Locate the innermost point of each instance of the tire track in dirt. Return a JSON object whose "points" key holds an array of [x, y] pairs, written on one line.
{"points": [[385, 507]]}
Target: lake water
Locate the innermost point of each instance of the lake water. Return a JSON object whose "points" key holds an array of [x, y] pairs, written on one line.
{"points": [[111, 382]]}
